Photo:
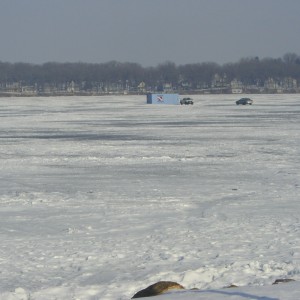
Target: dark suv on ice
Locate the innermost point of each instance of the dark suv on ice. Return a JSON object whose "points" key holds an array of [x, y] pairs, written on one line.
{"points": [[244, 101]]}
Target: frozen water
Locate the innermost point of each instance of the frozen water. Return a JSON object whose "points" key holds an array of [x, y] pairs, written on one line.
{"points": [[103, 196]]}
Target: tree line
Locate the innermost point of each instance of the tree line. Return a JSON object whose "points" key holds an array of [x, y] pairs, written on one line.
{"points": [[249, 71]]}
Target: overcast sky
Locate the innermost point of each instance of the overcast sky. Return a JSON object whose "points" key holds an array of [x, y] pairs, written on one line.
{"points": [[148, 32]]}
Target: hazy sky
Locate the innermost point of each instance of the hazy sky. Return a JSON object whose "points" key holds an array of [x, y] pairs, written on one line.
{"points": [[148, 32]]}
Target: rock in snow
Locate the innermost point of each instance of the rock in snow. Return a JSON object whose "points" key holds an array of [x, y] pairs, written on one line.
{"points": [[158, 288]]}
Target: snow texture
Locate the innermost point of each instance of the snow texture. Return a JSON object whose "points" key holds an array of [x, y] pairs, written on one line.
{"points": [[101, 197]]}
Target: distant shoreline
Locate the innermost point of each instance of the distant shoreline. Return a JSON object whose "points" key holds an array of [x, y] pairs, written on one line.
{"points": [[89, 94]]}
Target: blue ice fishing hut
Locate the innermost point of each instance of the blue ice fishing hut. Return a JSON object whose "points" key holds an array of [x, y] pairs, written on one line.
{"points": [[163, 99]]}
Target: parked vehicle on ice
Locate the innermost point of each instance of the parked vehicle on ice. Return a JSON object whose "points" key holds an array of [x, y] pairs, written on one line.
{"points": [[186, 101], [244, 101]]}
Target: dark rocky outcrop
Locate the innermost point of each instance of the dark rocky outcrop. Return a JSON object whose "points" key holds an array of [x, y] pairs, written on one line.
{"points": [[277, 281], [158, 289], [231, 286]]}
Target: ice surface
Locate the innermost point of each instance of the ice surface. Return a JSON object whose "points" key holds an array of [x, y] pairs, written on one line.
{"points": [[103, 196]]}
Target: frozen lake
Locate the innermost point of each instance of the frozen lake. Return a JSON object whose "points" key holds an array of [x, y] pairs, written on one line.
{"points": [[102, 196]]}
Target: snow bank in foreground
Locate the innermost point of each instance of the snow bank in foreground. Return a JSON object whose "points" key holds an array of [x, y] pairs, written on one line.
{"points": [[285, 291]]}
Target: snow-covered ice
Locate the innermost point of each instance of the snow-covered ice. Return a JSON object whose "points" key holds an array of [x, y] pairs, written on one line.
{"points": [[102, 196]]}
